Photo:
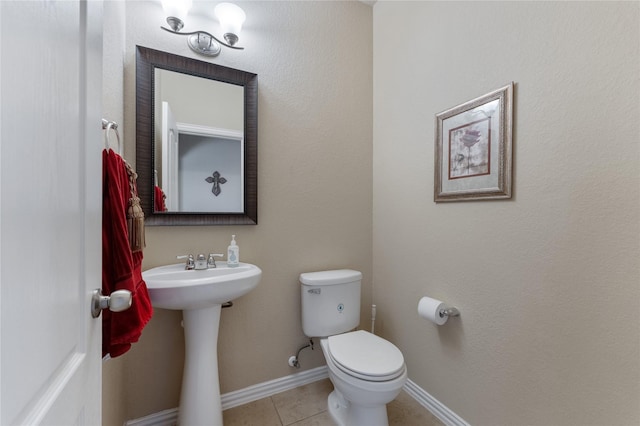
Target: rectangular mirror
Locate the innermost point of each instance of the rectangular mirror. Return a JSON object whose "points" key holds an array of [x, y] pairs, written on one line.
{"points": [[196, 147]]}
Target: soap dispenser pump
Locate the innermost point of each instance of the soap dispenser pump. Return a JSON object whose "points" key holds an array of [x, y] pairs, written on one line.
{"points": [[233, 253]]}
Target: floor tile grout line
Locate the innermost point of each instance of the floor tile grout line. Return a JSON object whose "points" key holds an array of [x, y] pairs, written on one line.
{"points": [[306, 418], [402, 407], [277, 411]]}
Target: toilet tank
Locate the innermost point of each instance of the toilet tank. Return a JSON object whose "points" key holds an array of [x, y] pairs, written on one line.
{"points": [[330, 302]]}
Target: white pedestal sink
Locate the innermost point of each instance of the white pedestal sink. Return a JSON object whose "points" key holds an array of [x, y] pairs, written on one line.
{"points": [[200, 295]]}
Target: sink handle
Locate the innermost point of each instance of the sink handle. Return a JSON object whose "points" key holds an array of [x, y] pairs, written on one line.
{"points": [[191, 264], [211, 262]]}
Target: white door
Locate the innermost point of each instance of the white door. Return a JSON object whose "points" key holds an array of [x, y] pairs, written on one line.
{"points": [[50, 211], [170, 139]]}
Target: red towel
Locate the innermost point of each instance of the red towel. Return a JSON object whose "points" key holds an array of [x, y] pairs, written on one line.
{"points": [[159, 197], [121, 268]]}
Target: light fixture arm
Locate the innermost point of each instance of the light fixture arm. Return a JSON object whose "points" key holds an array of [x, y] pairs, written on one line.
{"points": [[205, 33]]}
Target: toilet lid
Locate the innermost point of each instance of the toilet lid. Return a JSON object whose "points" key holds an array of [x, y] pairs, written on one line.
{"points": [[366, 356]]}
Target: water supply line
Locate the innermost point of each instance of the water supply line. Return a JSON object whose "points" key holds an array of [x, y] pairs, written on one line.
{"points": [[293, 360], [373, 319]]}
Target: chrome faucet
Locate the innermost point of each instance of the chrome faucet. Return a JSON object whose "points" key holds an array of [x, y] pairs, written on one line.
{"points": [[200, 262]]}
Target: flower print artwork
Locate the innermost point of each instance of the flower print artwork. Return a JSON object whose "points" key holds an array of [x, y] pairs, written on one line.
{"points": [[470, 149], [473, 149]]}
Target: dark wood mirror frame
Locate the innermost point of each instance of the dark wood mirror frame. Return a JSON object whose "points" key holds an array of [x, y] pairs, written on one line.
{"points": [[147, 60]]}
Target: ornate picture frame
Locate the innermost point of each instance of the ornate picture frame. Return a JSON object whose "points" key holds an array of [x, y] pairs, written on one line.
{"points": [[473, 149]]}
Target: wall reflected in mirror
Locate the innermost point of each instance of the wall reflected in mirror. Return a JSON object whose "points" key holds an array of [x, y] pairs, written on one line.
{"points": [[199, 144]]}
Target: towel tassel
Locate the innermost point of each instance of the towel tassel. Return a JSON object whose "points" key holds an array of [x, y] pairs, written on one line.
{"points": [[135, 225], [135, 215]]}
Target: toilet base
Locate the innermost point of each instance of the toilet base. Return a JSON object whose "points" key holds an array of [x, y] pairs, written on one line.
{"points": [[344, 413]]}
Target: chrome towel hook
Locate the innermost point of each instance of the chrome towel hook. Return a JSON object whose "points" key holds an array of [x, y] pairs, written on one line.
{"points": [[111, 125]]}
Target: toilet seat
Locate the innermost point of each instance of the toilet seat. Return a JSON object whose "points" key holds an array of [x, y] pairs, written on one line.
{"points": [[366, 356]]}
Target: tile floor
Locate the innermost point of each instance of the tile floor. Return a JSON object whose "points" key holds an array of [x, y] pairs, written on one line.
{"points": [[307, 406]]}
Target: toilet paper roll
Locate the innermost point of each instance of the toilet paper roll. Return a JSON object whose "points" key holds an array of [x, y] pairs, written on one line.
{"points": [[429, 308]]}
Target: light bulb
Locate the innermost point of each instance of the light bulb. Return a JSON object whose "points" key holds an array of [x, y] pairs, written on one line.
{"points": [[176, 8], [231, 18]]}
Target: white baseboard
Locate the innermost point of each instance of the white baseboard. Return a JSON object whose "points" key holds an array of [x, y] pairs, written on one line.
{"points": [[436, 408], [241, 396], [272, 387], [162, 418]]}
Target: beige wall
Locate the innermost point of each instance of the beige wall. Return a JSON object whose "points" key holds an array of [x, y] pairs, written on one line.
{"points": [[314, 66], [548, 282]]}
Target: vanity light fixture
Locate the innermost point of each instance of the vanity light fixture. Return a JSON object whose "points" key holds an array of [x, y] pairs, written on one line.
{"points": [[231, 18]]}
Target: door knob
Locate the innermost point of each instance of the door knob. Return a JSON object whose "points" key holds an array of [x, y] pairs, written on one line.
{"points": [[118, 301]]}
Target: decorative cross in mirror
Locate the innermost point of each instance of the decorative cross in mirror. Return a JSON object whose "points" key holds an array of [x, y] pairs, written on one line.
{"points": [[217, 180]]}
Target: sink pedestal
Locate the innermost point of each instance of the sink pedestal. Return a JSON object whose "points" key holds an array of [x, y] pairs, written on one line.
{"points": [[199, 294], [200, 395]]}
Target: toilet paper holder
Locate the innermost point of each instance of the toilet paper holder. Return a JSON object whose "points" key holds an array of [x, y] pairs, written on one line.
{"points": [[449, 312]]}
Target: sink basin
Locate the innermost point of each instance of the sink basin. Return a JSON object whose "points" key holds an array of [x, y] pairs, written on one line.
{"points": [[200, 295], [173, 287]]}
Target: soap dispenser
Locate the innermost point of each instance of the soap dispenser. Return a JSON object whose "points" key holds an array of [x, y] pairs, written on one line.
{"points": [[233, 253]]}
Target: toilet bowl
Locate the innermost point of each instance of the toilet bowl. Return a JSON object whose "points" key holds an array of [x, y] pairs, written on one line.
{"points": [[367, 371]]}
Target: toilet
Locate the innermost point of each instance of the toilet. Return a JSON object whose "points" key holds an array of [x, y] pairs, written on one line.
{"points": [[367, 371]]}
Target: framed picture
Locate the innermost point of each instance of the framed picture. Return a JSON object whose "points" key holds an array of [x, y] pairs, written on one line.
{"points": [[473, 149]]}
